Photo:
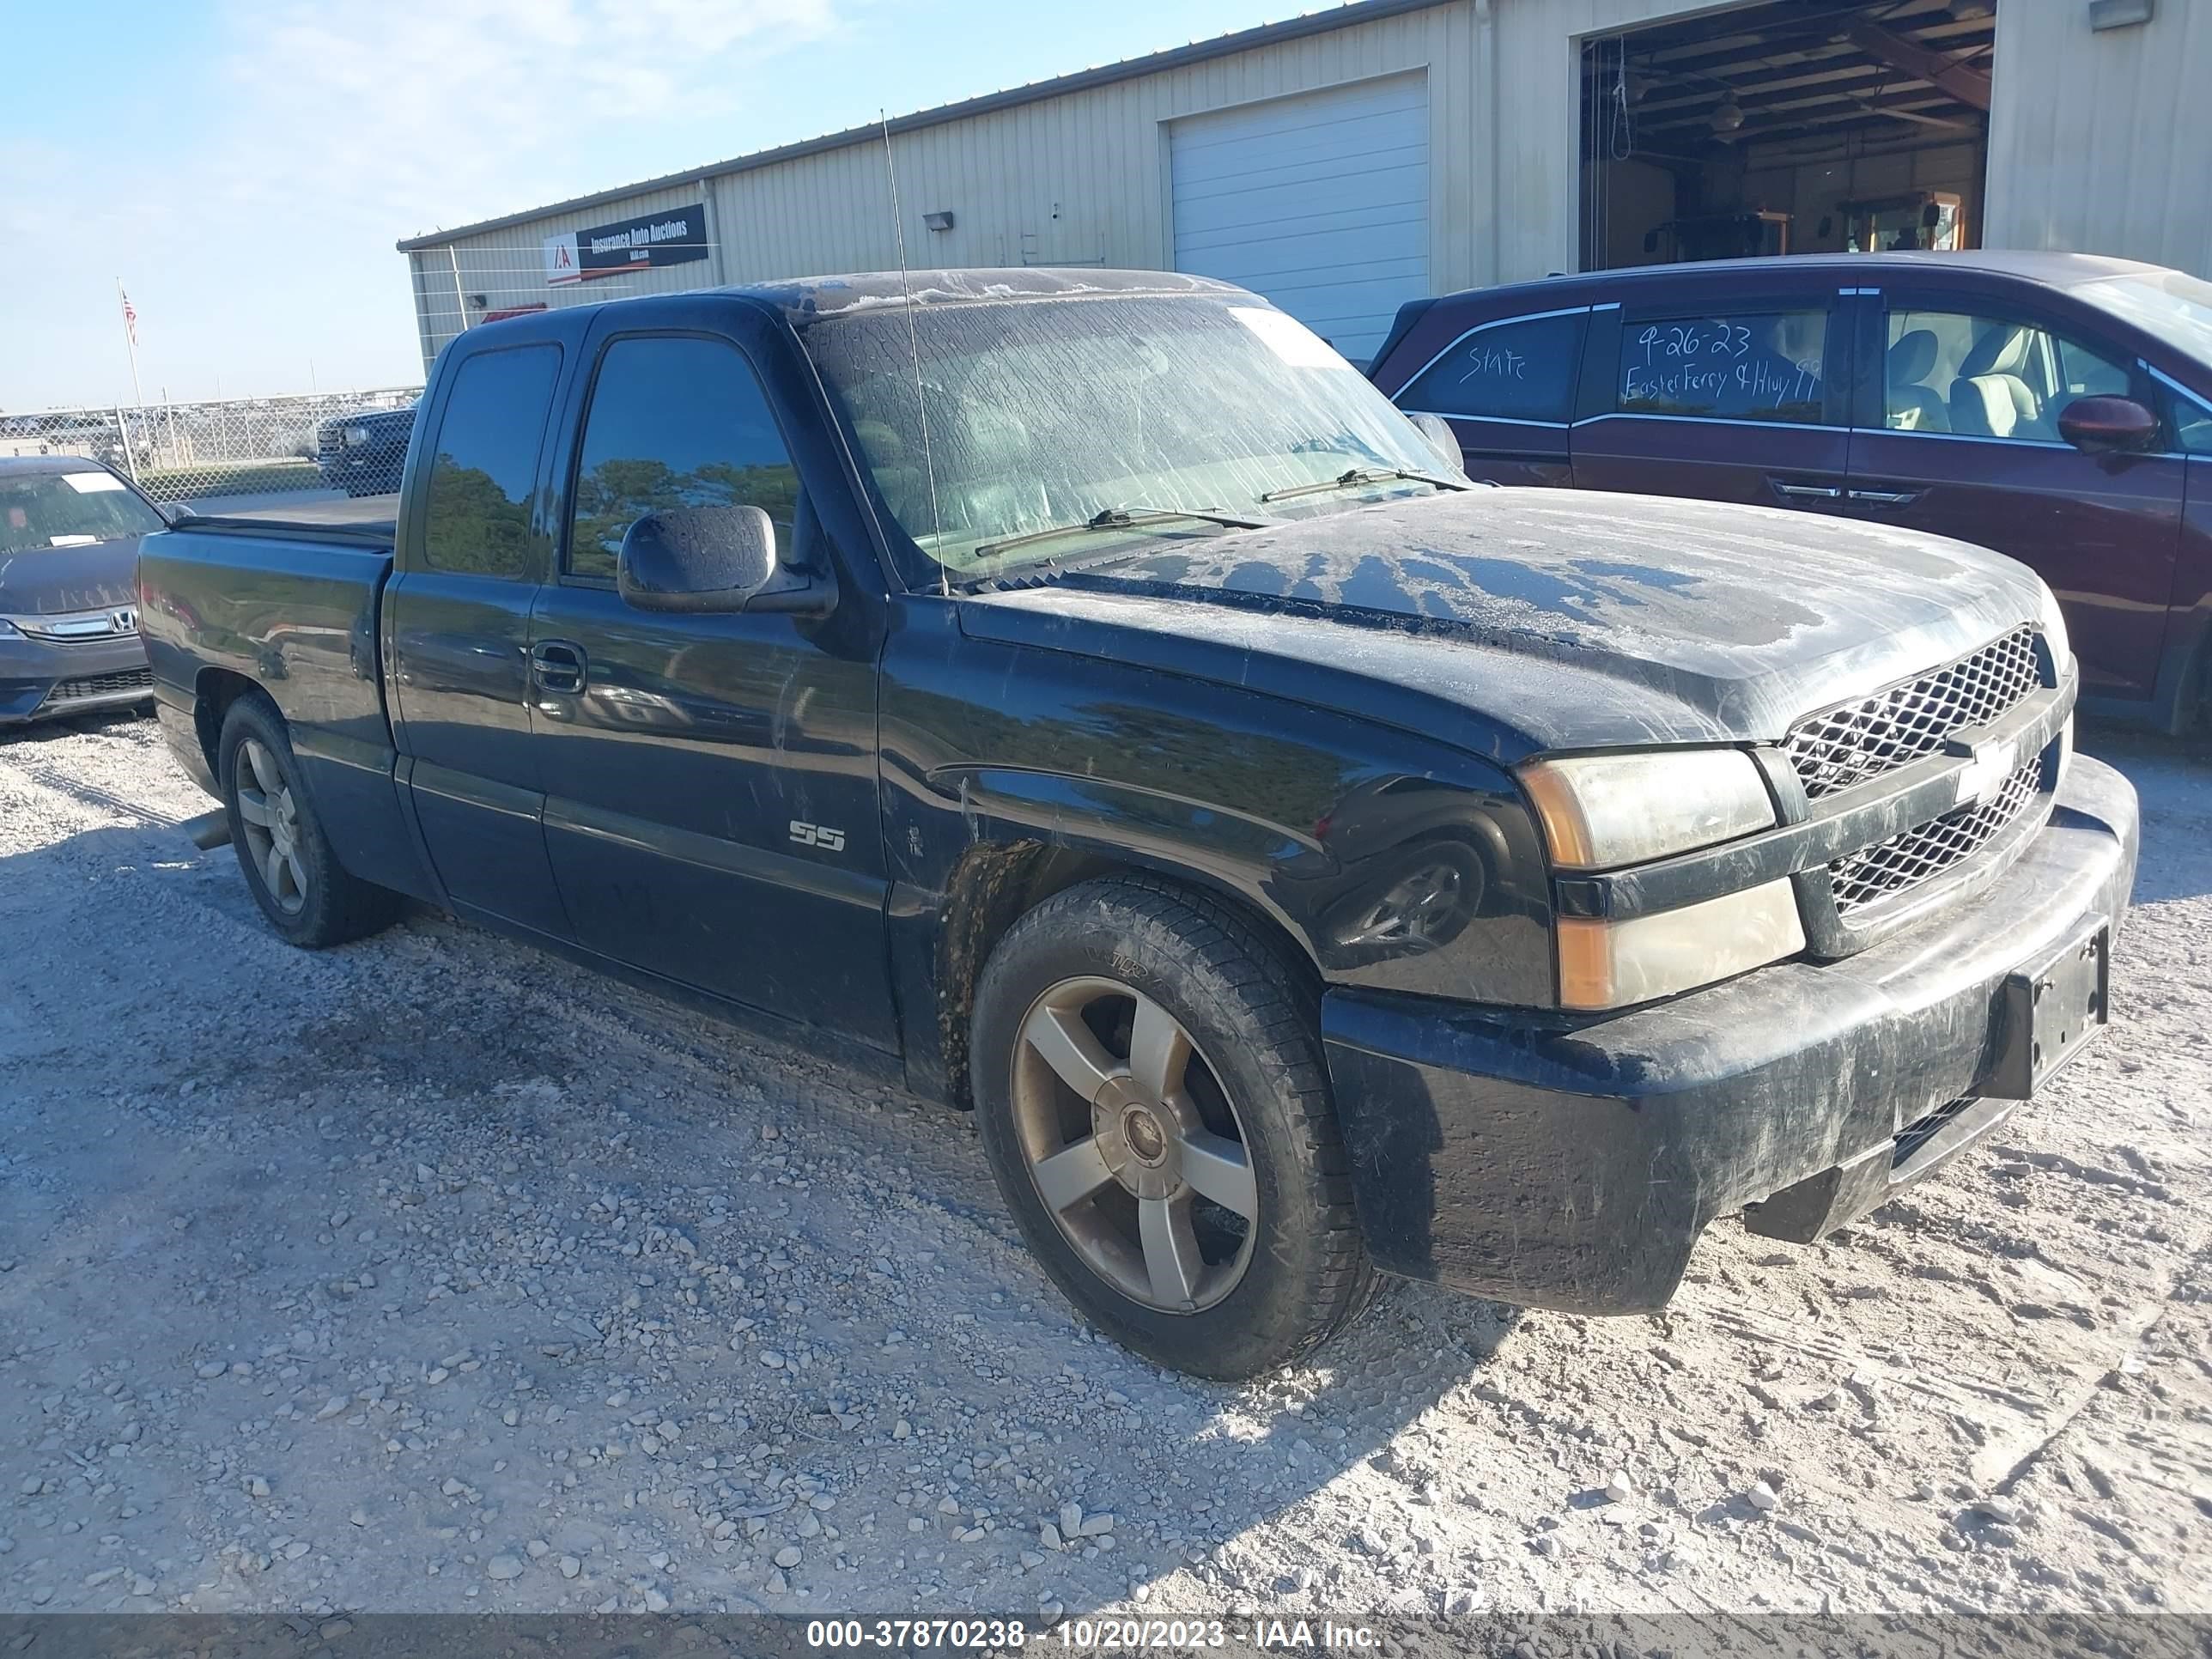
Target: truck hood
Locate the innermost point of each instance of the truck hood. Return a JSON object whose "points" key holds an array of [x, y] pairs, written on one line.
{"points": [[1520, 621], [45, 581]]}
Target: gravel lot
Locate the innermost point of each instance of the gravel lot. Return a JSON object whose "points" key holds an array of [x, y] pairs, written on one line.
{"points": [[435, 1273]]}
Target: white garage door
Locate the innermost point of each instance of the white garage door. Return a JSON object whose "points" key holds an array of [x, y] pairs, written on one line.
{"points": [[1319, 202]]}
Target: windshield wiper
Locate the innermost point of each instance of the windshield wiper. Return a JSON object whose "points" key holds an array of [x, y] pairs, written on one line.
{"points": [[1361, 476], [1125, 518]]}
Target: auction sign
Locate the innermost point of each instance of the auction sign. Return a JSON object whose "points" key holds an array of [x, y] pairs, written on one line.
{"points": [[673, 238]]}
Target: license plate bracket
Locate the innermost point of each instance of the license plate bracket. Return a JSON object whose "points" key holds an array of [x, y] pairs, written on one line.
{"points": [[2050, 1009]]}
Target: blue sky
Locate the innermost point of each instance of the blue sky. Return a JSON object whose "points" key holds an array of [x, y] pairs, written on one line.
{"points": [[245, 167]]}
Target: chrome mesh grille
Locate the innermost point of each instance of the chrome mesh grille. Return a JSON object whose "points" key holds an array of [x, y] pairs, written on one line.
{"points": [[1877, 734], [1926, 850]]}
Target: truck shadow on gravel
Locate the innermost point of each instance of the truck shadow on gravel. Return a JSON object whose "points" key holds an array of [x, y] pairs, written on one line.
{"points": [[340, 1168], [16, 740]]}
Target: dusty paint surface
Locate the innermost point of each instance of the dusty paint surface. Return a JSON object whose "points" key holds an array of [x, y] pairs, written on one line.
{"points": [[1564, 619]]}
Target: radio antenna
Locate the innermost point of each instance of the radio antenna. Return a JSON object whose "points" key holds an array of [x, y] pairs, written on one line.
{"points": [[914, 354]]}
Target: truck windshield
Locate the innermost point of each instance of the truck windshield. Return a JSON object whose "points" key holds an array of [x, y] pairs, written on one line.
{"points": [[1079, 410], [68, 509]]}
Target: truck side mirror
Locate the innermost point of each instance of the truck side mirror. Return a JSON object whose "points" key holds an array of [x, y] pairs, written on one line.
{"points": [[696, 559]]}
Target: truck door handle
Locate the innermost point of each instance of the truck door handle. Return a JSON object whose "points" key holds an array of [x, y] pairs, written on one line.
{"points": [[557, 665], [1886, 497], [1797, 492]]}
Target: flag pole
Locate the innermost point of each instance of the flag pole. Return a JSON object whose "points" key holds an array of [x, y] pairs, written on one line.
{"points": [[137, 396], [131, 342]]}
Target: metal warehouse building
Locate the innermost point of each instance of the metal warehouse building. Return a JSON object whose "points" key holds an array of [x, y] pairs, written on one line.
{"points": [[1348, 160]]}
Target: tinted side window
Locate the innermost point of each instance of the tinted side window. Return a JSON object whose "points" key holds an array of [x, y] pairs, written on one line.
{"points": [[477, 515], [1748, 366], [1522, 369], [674, 422]]}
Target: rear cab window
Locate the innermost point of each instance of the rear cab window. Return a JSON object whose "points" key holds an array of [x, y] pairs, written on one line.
{"points": [[483, 470]]}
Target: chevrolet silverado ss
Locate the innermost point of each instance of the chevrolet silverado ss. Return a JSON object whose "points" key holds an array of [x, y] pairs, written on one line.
{"points": [[1082, 697]]}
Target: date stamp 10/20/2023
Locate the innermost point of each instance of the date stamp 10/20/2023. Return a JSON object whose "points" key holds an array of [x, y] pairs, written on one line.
{"points": [[1096, 1635]]}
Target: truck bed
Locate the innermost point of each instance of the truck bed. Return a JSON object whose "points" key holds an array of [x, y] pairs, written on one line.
{"points": [[368, 517], [291, 606]]}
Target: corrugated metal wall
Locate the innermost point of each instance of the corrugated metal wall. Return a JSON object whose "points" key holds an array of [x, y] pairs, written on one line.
{"points": [[1535, 134], [2100, 140], [1081, 178]]}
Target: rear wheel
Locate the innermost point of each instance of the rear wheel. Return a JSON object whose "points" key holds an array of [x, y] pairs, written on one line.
{"points": [[1149, 1083], [294, 877]]}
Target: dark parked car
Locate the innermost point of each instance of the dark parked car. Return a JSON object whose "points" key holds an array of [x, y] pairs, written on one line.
{"points": [[362, 453], [1081, 695], [2057, 407], [68, 595]]}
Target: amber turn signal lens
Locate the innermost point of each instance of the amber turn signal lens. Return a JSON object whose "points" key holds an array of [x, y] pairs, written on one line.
{"points": [[1612, 965]]}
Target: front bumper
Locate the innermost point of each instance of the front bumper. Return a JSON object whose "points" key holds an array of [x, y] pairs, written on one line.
{"points": [[1574, 1168], [38, 679]]}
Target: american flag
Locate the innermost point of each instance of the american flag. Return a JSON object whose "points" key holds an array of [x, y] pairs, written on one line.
{"points": [[130, 316]]}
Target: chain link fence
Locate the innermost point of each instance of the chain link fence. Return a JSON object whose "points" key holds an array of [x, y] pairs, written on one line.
{"points": [[234, 452]]}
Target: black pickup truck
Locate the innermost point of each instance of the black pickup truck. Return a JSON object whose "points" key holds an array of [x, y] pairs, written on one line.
{"points": [[1080, 696], [363, 454]]}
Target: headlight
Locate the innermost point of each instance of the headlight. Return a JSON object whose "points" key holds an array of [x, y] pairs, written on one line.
{"points": [[8, 630], [356, 436], [1610, 964], [2053, 623], [1602, 810]]}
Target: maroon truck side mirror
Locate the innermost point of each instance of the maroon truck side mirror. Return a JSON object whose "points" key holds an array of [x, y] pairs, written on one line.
{"points": [[2106, 426]]}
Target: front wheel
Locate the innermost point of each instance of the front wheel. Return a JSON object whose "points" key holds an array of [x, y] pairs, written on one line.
{"points": [[1148, 1079], [308, 896]]}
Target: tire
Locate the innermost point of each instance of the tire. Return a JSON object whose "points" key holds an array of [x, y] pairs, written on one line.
{"points": [[1182, 1275], [314, 901]]}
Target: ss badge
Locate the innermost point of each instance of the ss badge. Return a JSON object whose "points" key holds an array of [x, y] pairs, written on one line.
{"points": [[818, 835]]}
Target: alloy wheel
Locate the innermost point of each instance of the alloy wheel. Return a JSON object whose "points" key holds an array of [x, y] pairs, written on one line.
{"points": [[1134, 1146], [270, 812]]}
